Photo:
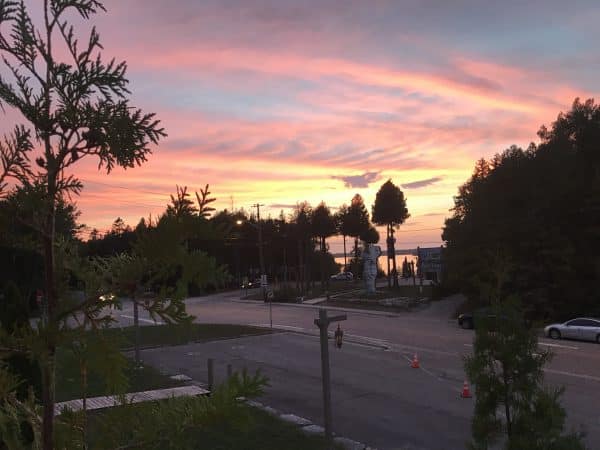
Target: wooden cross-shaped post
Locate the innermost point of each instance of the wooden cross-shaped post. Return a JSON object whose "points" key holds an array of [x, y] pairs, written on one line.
{"points": [[323, 323]]}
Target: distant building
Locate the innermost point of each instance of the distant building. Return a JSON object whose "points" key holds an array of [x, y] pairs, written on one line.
{"points": [[429, 263]]}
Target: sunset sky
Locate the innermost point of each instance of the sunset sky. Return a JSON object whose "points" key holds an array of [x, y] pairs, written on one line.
{"points": [[283, 101]]}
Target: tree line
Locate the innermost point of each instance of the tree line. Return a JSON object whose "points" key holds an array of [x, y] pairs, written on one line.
{"points": [[528, 219]]}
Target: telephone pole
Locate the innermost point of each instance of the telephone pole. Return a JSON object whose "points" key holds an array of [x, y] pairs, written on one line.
{"points": [[261, 259]]}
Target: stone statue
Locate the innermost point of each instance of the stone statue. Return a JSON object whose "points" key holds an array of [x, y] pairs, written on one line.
{"points": [[369, 256]]}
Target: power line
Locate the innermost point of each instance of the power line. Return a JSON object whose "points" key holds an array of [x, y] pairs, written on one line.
{"points": [[126, 188]]}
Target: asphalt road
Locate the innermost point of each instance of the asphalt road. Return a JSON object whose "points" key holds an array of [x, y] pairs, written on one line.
{"points": [[377, 397]]}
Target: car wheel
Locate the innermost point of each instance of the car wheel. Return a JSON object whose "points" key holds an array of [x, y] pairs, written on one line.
{"points": [[467, 324], [598, 339], [554, 333]]}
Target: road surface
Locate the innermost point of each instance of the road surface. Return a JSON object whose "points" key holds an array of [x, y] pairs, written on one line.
{"points": [[377, 397]]}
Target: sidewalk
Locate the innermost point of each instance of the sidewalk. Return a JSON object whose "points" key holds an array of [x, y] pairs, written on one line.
{"points": [[110, 401]]}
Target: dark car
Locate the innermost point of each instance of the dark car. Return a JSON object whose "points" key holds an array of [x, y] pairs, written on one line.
{"points": [[469, 320], [466, 321]]}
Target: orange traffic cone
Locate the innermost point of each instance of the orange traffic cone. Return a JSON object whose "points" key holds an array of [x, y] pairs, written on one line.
{"points": [[466, 392], [415, 362]]}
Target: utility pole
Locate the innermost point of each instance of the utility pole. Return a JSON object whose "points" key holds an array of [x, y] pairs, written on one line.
{"points": [[323, 323], [261, 259]]}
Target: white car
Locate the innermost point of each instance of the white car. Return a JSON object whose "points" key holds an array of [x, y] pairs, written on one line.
{"points": [[582, 328], [343, 276]]}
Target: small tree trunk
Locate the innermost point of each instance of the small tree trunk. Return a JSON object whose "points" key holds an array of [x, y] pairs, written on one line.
{"points": [[387, 240], [84, 399], [300, 268], [322, 265], [136, 326], [393, 246], [345, 261], [48, 366], [507, 403]]}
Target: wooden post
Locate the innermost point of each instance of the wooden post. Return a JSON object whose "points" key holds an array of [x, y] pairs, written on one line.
{"points": [[323, 323]]}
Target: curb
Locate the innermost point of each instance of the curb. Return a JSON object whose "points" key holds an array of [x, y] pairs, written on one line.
{"points": [[370, 312], [306, 426]]}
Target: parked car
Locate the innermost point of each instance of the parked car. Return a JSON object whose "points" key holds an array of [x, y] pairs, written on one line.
{"points": [[343, 276], [582, 328], [469, 320]]}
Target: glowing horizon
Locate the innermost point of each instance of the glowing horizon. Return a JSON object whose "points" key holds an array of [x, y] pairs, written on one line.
{"points": [[283, 101]]}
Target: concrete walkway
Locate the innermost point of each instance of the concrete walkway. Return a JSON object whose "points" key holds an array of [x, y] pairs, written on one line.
{"points": [[134, 397]]}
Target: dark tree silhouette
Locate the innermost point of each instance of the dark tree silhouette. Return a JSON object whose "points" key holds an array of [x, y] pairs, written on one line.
{"points": [[342, 228], [390, 210], [181, 205], [371, 236], [357, 220], [323, 226], [302, 231], [540, 207]]}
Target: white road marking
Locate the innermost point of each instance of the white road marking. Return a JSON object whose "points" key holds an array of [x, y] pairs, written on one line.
{"points": [[153, 322], [547, 344], [571, 374], [543, 343]]}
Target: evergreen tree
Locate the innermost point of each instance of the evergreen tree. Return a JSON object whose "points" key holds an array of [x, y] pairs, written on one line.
{"points": [[357, 220], [181, 205], [541, 205], [323, 226], [76, 107], [390, 210], [513, 408]]}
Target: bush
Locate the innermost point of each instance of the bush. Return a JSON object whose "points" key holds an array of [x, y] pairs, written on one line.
{"points": [[285, 293], [14, 310]]}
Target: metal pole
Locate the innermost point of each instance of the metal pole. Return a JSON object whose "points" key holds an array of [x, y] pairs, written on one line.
{"points": [[323, 324]]}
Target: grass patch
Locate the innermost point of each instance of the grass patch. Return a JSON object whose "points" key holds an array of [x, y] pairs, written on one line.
{"points": [[239, 427], [264, 432], [106, 378], [161, 335], [365, 304], [283, 293], [69, 379]]}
